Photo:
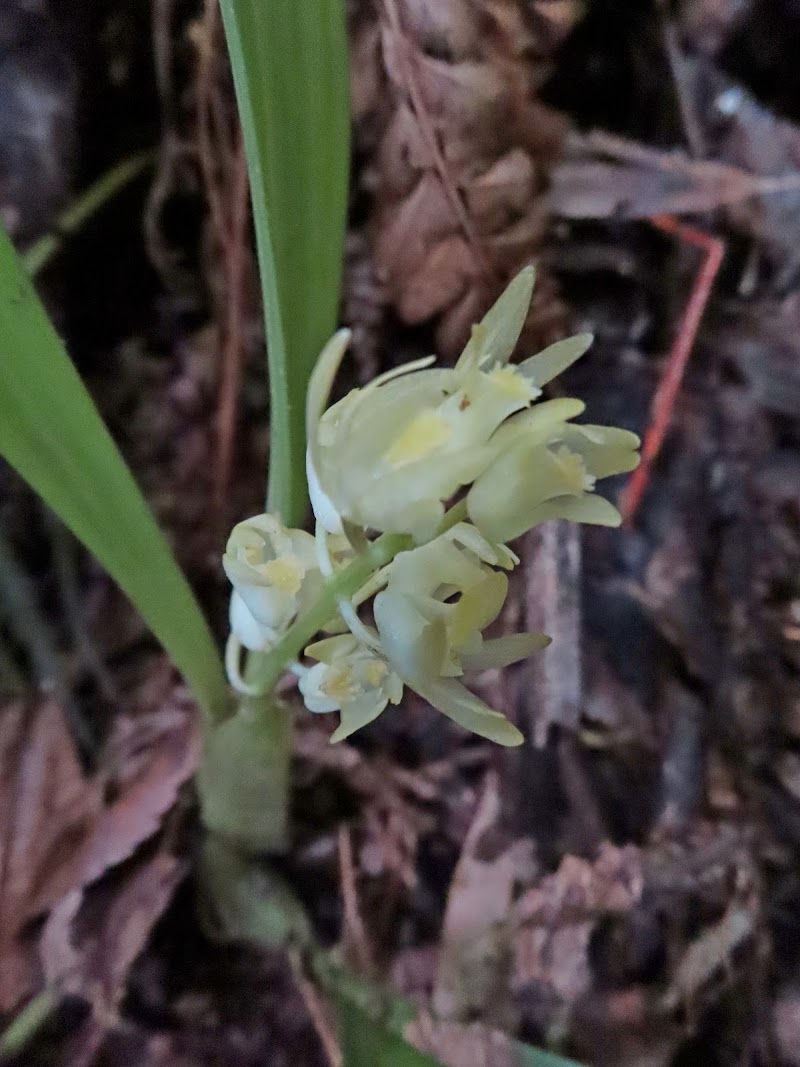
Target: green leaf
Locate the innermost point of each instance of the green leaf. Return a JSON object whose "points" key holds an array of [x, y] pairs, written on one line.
{"points": [[290, 69], [370, 1040], [367, 1043], [528, 1056], [51, 433], [83, 208]]}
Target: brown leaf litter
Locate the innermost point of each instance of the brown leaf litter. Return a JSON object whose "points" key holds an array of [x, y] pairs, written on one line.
{"points": [[606, 177], [475, 946], [61, 830], [445, 106], [569, 955]]}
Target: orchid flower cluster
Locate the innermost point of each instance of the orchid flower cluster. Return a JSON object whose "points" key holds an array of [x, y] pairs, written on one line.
{"points": [[417, 481]]}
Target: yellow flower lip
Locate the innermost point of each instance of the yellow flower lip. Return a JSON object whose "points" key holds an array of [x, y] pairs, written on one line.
{"points": [[510, 381], [421, 437], [375, 672], [339, 684], [285, 574]]}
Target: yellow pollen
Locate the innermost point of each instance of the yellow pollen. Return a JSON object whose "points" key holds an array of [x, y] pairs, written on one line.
{"points": [[423, 435], [375, 672], [509, 381], [285, 574], [338, 684]]}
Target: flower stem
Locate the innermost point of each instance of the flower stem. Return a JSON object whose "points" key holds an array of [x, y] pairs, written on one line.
{"points": [[269, 667]]}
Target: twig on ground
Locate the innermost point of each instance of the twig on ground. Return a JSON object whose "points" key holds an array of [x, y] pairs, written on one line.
{"points": [[223, 166], [354, 931], [232, 356], [318, 1011], [555, 675], [670, 384], [553, 568]]}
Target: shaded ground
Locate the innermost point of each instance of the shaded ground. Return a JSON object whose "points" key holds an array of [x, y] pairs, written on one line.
{"points": [[625, 888]]}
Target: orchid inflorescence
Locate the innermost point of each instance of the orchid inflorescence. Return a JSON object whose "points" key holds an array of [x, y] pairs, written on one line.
{"points": [[388, 459]]}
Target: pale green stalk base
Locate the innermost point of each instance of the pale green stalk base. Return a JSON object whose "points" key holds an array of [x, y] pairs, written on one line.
{"points": [[242, 900], [243, 780]]}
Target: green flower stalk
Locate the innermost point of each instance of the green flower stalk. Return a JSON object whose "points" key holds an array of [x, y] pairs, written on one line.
{"points": [[390, 459]]}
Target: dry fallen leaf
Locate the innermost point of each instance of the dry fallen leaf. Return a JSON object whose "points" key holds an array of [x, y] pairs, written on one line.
{"points": [[558, 916], [476, 937], [47, 810], [88, 946], [604, 176], [710, 953], [786, 1026], [137, 812], [762, 339], [56, 834], [457, 148], [457, 1045]]}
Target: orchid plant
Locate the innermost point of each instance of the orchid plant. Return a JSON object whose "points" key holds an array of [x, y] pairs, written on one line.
{"points": [[417, 481]]}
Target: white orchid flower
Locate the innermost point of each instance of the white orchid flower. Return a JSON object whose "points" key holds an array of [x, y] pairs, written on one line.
{"points": [[388, 456], [545, 472], [275, 575], [351, 679], [438, 600]]}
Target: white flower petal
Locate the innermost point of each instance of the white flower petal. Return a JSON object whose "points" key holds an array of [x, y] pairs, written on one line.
{"points": [[359, 713], [251, 634]]}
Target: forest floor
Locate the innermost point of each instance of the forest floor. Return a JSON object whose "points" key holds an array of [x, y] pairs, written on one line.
{"points": [[624, 889]]}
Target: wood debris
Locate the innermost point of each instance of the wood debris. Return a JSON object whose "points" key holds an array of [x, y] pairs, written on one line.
{"points": [[445, 105]]}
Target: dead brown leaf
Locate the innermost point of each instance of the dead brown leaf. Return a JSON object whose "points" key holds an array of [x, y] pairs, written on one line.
{"points": [[89, 944], [97, 958], [457, 146], [762, 339], [605, 176], [137, 813], [581, 889], [56, 834], [457, 1045], [475, 945], [558, 916], [786, 1026], [710, 953], [47, 809]]}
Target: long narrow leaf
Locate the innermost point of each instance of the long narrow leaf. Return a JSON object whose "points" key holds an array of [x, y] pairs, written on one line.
{"points": [[528, 1056], [289, 60], [368, 1043], [51, 433]]}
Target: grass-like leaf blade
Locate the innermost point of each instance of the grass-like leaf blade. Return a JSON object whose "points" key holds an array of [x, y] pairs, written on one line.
{"points": [[290, 69], [367, 1043], [51, 433]]}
